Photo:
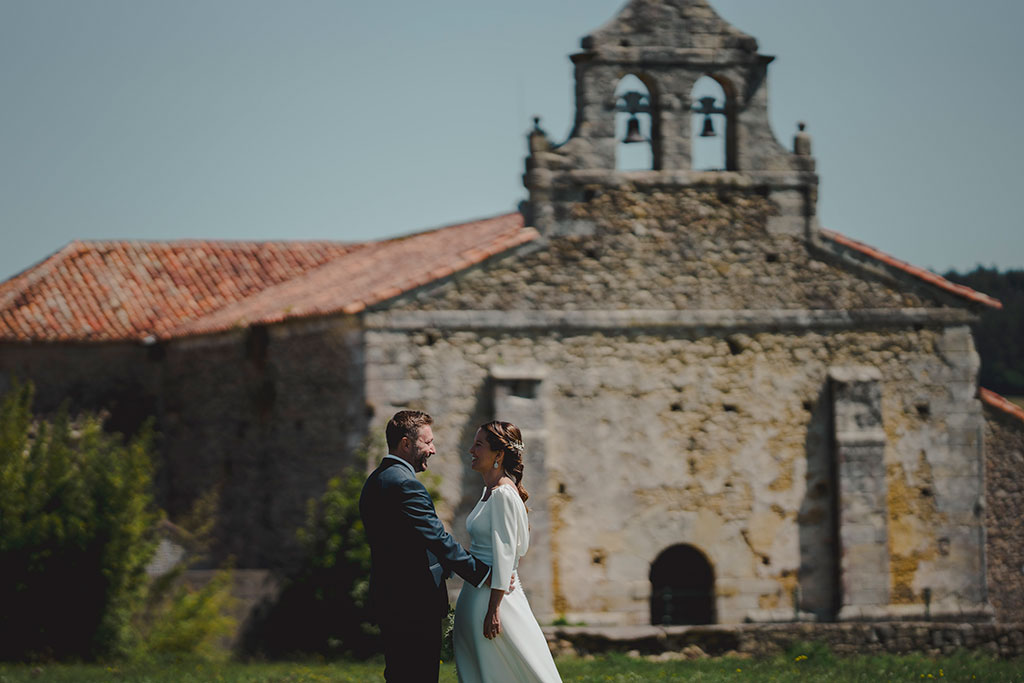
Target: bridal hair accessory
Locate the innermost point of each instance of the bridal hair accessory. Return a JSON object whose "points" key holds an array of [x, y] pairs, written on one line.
{"points": [[516, 446]]}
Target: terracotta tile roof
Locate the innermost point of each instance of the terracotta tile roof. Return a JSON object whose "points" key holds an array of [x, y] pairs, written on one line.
{"points": [[1001, 403], [111, 291], [378, 271], [920, 273], [106, 291]]}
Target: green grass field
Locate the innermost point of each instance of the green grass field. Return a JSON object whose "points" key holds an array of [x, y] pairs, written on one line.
{"points": [[817, 665]]}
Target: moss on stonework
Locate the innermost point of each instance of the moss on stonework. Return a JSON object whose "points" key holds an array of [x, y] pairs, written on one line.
{"points": [[913, 519]]}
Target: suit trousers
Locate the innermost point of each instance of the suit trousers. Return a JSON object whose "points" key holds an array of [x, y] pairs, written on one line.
{"points": [[412, 650]]}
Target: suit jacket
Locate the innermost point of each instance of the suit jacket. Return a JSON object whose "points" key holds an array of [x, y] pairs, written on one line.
{"points": [[411, 554]]}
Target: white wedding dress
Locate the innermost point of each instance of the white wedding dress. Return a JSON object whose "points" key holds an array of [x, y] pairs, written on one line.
{"points": [[500, 535]]}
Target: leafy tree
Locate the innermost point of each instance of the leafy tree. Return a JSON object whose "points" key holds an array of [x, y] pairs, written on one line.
{"points": [[999, 334], [77, 524]]}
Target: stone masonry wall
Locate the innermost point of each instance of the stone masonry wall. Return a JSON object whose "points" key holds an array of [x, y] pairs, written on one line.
{"points": [[263, 417], [678, 250], [716, 440], [1004, 487], [118, 378], [932, 639], [686, 378]]}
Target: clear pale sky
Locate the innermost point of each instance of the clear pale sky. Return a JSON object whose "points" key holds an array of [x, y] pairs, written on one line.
{"points": [[344, 120]]}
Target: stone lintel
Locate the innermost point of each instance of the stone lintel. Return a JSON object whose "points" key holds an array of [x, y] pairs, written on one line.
{"points": [[518, 372], [701, 320], [868, 437], [855, 373], [686, 57], [682, 178]]}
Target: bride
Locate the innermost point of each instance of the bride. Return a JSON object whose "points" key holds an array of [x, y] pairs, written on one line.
{"points": [[496, 635]]}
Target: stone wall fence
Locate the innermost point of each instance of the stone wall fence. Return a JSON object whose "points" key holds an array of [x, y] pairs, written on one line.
{"points": [[763, 640]]}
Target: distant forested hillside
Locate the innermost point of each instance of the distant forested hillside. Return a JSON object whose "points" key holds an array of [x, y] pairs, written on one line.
{"points": [[999, 335]]}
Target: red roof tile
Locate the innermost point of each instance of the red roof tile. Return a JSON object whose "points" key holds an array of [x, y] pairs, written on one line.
{"points": [[920, 273], [110, 291], [106, 291], [1000, 403], [378, 271]]}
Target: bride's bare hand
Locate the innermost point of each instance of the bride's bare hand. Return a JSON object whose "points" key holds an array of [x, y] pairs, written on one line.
{"points": [[492, 624]]}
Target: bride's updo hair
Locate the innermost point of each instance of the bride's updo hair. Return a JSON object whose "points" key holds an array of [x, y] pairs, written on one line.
{"points": [[505, 437]]}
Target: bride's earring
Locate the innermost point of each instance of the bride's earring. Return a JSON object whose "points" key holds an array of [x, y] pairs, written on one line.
{"points": [[497, 464]]}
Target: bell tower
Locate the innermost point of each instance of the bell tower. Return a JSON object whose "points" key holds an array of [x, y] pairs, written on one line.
{"points": [[670, 45]]}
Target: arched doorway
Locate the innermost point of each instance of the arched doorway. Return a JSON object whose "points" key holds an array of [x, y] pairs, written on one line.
{"points": [[682, 587]]}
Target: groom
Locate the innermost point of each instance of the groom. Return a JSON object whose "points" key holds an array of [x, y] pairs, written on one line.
{"points": [[411, 554]]}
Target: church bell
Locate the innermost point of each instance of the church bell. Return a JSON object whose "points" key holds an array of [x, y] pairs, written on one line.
{"points": [[633, 131], [708, 131]]}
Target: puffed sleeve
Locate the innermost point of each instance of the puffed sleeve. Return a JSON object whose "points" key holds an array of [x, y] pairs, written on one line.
{"points": [[505, 535]]}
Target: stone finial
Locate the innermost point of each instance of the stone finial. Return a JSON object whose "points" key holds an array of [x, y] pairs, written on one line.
{"points": [[538, 139], [802, 141]]}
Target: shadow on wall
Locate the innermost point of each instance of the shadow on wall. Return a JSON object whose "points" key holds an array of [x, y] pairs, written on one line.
{"points": [[483, 411], [818, 580], [322, 606]]}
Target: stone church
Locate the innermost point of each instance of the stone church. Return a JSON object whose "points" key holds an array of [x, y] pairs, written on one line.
{"points": [[731, 413]]}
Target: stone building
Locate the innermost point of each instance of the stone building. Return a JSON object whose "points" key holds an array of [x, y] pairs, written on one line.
{"points": [[731, 414]]}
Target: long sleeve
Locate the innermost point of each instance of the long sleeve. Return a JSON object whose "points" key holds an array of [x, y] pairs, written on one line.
{"points": [[418, 508], [508, 535]]}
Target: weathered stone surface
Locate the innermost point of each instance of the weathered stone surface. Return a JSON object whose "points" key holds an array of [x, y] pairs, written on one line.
{"points": [[861, 489], [263, 417], [1004, 503], [683, 250], [713, 440], [765, 640]]}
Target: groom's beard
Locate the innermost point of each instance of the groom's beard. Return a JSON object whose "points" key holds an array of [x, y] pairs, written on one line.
{"points": [[419, 460]]}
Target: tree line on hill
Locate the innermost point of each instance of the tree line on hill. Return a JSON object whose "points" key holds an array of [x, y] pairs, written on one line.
{"points": [[999, 334]]}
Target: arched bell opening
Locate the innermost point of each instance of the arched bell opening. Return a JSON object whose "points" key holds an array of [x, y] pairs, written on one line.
{"points": [[713, 132], [682, 587], [634, 125]]}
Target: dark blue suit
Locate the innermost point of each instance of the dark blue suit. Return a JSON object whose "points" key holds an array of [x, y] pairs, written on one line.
{"points": [[411, 555]]}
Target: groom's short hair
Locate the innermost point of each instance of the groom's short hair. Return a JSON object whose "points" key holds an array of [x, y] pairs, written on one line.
{"points": [[405, 423]]}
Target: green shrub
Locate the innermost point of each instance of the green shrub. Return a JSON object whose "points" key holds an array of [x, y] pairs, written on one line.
{"points": [[179, 619], [190, 621], [77, 524], [322, 607]]}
